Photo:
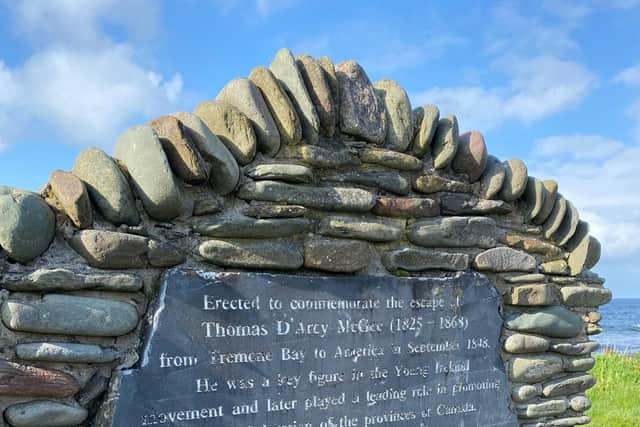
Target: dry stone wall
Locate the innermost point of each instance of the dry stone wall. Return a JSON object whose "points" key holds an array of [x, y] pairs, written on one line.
{"points": [[302, 167]]}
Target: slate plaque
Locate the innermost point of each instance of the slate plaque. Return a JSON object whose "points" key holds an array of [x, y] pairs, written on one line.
{"points": [[264, 350]]}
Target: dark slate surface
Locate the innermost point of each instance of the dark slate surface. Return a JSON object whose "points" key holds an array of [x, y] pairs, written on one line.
{"points": [[288, 390]]}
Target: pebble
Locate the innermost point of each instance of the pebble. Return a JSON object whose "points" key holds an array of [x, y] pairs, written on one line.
{"points": [[319, 92], [515, 180], [60, 352], [555, 218], [390, 159], [585, 296], [504, 259], [464, 204], [397, 106], [550, 190], [492, 178], [533, 198], [531, 369], [336, 255], [471, 157], [445, 142], [45, 279], [523, 392], [73, 197], [48, 413], [580, 403], [281, 172], [410, 259], [247, 227], [429, 184], [454, 232], [568, 385], [406, 207], [521, 343], [553, 321], [426, 118], [535, 294], [374, 230], [252, 254]]}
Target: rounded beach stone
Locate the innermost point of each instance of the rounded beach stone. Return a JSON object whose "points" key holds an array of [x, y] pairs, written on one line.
{"points": [[27, 224], [280, 172], [492, 178], [445, 142], [578, 248], [471, 157], [515, 180], [39, 413], [555, 218], [232, 127], [111, 250], [361, 113], [521, 343], [374, 230], [320, 93], [282, 109], [580, 403], [397, 106], [550, 190], [107, 185], [410, 259], [575, 383], [568, 226], [65, 352], [224, 172], [336, 255], [534, 196], [139, 149], [585, 296], [524, 392], [329, 71], [554, 321], [593, 253], [504, 259], [243, 94], [73, 197], [426, 119], [531, 369], [252, 254], [286, 71]]}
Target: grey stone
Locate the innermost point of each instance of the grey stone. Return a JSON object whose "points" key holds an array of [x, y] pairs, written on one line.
{"points": [[585, 296], [546, 408], [567, 226], [286, 71], [247, 227], [269, 210], [321, 157], [361, 113], [72, 197], [445, 142], [521, 343], [280, 172], [392, 182], [252, 254], [323, 198], [580, 403], [406, 207], [554, 321], [39, 413], [61, 352], [524, 392], [427, 118], [45, 279], [329, 71], [224, 172], [397, 106], [531, 294], [533, 198], [374, 230], [232, 127], [27, 224], [558, 266], [531, 245], [107, 186], [524, 278], [515, 180], [550, 190], [471, 157], [578, 248], [282, 109], [593, 329], [531, 369], [464, 204], [336, 255], [555, 218], [578, 364], [319, 92], [454, 231], [568, 385], [243, 94], [593, 253], [139, 149], [574, 349], [504, 259], [568, 422], [390, 159], [70, 315], [430, 184], [207, 206], [162, 254], [492, 178], [410, 259]]}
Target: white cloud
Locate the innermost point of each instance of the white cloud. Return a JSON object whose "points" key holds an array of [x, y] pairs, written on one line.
{"points": [[580, 147], [629, 76], [261, 8]]}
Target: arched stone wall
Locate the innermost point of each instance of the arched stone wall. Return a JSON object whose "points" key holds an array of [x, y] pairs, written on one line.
{"points": [[303, 168]]}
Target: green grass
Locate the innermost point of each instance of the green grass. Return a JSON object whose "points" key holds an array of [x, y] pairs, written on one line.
{"points": [[616, 396]]}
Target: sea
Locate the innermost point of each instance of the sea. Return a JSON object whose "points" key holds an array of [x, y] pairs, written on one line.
{"points": [[620, 326]]}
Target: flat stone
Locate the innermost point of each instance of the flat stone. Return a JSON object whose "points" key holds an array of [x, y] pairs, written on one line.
{"points": [[531, 369], [281, 172], [454, 232], [593, 253], [515, 180], [207, 206], [445, 142], [243, 94], [336, 255], [568, 422], [555, 218], [390, 159], [286, 71], [574, 349], [184, 158], [323, 198], [521, 343], [568, 385], [427, 118], [19, 380], [252, 254], [471, 157], [531, 245], [139, 149], [374, 230], [40, 413], [593, 329], [407, 207], [28, 225], [504, 259], [60, 352], [585, 296], [321, 157], [319, 92], [558, 266], [580, 403], [523, 392], [224, 172], [397, 106], [70, 315], [553, 321], [465, 204], [524, 278], [410, 259], [568, 225], [543, 409], [61, 279], [492, 178], [73, 197], [361, 113], [578, 248], [535, 294], [247, 227], [579, 364], [550, 190], [392, 182], [281, 108], [269, 210], [429, 184], [107, 186], [533, 198], [231, 126], [329, 71]]}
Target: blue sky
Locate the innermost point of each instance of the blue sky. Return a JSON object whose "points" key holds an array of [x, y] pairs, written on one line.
{"points": [[556, 83]]}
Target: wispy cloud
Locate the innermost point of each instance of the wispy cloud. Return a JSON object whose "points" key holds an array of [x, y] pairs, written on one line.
{"points": [[629, 76], [259, 8]]}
